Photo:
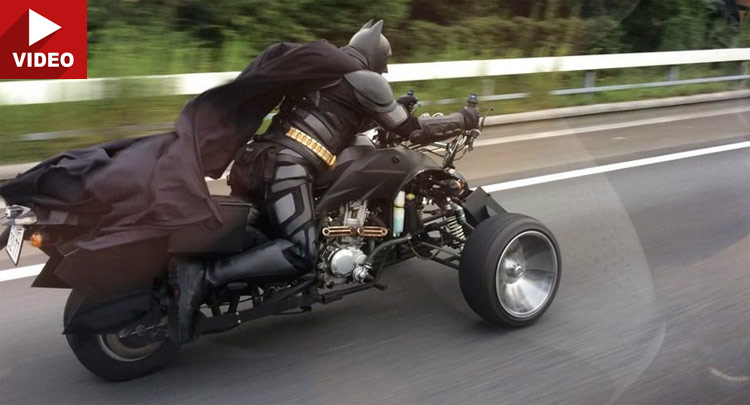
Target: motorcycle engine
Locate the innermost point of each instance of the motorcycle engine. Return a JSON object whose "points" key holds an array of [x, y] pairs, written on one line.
{"points": [[343, 260], [341, 251]]}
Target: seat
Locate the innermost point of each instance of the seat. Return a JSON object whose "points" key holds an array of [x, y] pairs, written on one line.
{"points": [[241, 229]]}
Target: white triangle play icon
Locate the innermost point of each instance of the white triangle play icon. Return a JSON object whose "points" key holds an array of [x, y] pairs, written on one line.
{"points": [[39, 27]]}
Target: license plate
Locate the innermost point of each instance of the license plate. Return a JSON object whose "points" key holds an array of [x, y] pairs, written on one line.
{"points": [[15, 243]]}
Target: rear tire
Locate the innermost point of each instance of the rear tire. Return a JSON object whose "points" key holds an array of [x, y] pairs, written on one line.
{"points": [[114, 358], [510, 270]]}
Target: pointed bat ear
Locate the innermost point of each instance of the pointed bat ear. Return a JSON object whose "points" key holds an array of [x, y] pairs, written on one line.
{"points": [[367, 25], [378, 26]]}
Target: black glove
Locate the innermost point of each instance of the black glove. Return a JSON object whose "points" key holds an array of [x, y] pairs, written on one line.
{"points": [[409, 101], [471, 117]]}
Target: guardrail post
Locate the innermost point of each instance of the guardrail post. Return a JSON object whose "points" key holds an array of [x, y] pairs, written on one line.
{"points": [[488, 87], [744, 70], [589, 79], [674, 74]]}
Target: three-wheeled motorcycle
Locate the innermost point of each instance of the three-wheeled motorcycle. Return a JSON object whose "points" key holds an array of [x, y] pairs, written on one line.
{"points": [[383, 203]]}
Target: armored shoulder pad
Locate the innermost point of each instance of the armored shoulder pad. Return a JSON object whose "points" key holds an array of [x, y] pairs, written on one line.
{"points": [[372, 90]]}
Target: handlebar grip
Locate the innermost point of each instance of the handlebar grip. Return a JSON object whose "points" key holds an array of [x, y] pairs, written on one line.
{"points": [[417, 137], [472, 101]]}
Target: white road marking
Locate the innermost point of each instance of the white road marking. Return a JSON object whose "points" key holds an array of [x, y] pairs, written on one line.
{"points": [[613, 167], [575, 131], [20, 272], [29, 271], [608, 127], [732, 378], [589, 129]]}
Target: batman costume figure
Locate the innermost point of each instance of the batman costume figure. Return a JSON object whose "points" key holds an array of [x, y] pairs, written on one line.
{"points": [[137, 189], [277, 170]]}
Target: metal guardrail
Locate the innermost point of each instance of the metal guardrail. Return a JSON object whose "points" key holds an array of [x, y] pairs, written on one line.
{"points": [[56, 91], [39, 92], [590, 87], [10, 171]]}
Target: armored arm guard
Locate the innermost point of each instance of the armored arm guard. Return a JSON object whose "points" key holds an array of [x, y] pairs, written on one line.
{"points": [[375, 96]]}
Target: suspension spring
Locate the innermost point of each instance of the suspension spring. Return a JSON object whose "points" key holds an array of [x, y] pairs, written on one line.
{"points": [[455, 229]]}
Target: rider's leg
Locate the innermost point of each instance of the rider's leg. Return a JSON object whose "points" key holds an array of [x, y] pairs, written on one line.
{"points": [[289, 203], [289, 200]]}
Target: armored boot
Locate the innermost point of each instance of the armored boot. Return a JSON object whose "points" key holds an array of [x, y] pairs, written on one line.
{"points": [[189, 285], [191, 280]]}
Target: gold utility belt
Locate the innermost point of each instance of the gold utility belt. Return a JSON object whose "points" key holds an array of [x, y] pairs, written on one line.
{"points": [[314, 146]]}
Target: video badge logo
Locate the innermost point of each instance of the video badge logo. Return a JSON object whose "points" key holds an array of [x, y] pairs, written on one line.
{"points": [[43, 39]]}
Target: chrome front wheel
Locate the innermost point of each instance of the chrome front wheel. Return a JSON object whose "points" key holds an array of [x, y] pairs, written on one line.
{"points": [[510, 269], [526, 274]]}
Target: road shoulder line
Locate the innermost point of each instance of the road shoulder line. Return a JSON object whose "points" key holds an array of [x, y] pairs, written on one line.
{"points": [[608, 127], [33, 270], [613, 167], [20, 272]]}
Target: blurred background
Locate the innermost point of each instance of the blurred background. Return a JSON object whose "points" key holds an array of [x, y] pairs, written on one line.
{"points": [[157, 37], [653, 307]]}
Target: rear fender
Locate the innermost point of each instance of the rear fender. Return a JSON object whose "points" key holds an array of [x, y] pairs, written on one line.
{"points": [[88, 315], [47, 277], [105, 273]]}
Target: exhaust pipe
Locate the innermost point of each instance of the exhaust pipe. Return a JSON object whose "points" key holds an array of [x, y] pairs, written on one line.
{"points": [[364, 231], [372, 232], [338, 231]]}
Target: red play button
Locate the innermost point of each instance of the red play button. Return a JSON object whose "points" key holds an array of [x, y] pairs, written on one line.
{"points": [[40, 27]]}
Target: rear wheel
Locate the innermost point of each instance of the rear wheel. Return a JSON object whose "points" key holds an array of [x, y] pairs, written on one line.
{"points": [[118, 356], [510, 270]]}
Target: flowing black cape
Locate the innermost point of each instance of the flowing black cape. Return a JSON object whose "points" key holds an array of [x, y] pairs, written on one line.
{"points": [[134, 189]]}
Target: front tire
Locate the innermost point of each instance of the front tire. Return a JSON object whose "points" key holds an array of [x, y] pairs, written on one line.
{"points": [[510, 270], [114, 358]]}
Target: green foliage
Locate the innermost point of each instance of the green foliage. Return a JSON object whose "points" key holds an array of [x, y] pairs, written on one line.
{"points": [[168, 36], [151, 37], [690, 25]]}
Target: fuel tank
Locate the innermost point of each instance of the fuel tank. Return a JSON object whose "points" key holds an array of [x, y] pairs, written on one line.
{"points": [[377, 174], [361, 146]]}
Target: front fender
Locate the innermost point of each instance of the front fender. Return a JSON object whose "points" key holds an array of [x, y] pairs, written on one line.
{"points": [[479, 206]]}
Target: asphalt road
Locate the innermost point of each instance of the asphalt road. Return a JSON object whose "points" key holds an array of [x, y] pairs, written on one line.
{"points": [[654, 305]]}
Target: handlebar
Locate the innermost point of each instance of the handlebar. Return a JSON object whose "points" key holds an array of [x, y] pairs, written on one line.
{"points": [[417, 137]]}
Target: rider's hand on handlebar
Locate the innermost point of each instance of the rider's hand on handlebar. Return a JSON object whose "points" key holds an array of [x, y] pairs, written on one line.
{"points": [[471, 117], [471, 112], [409, 101]]}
